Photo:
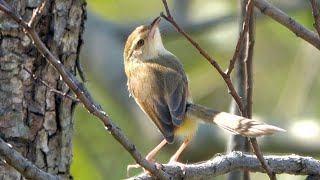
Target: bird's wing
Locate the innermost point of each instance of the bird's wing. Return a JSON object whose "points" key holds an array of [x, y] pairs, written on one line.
{"points": [[177, 101], [157, 110], [161, 91], [176, 84]]}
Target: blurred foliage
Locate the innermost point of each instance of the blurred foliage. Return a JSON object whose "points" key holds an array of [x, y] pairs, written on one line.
{"points": [[124, 10], [280, 69]]}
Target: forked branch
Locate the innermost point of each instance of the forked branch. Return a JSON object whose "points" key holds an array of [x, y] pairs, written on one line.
{"points": [[226, 76]]}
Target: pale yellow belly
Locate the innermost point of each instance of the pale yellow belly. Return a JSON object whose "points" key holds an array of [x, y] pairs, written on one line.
{"points": [[188, 127]]}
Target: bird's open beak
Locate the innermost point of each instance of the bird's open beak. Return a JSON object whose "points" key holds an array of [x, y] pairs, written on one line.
{"points": [[153, 26]]}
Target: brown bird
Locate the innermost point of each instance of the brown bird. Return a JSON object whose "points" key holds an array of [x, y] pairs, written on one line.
{"points": [[159, 85]]}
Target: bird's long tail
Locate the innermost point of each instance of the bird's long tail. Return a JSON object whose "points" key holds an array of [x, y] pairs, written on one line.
{"points": [[232, 123]]}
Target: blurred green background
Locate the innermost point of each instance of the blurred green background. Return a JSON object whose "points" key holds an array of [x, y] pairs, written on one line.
{"points": [[286, 82]]}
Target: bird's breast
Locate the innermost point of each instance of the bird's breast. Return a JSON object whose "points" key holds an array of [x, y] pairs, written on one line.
{"points": [[144, 80]]}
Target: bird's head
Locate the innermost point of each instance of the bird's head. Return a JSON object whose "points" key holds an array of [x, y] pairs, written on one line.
{"points": [[144, 43]]}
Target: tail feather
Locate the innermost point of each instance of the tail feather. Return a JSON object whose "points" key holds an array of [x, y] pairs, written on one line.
{"points": [[243, 126], [232, 123]]}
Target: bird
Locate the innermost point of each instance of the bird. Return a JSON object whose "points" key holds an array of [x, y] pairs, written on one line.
{"points": [[159, 85]]}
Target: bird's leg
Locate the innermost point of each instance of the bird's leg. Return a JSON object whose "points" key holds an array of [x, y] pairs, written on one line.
{"points": [[174, 158], [176, 155], [149, 157]]}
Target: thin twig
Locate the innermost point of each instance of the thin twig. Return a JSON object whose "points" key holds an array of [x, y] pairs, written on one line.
{"points": [[214, 63], [194, 43], [37, 14], [10, 12], [35, 77], [287, 21], [85, 97], [225, 76], [250, 46], [249, 62], [81, 71], [21, 164], [240, 143], [165, 4], [6, 5], [242, 35], [262, 160], [316, 15]]}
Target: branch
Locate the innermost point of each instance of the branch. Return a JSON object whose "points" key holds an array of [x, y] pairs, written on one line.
{"points": [[287, 21], [37, 14], [221, 164], [236, 142], [262, 160], [194, 26], [243, 33], [25, 167], [83, 94], [35, 77], [316, 16], [226, 77], [248, 62]]}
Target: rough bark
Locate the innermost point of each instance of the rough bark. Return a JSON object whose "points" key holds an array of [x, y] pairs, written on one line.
{"points": [[221, 164], [35, 121]]}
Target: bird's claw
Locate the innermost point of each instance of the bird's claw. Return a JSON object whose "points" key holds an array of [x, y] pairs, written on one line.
{"points": [[130, 166], [176, 163]]}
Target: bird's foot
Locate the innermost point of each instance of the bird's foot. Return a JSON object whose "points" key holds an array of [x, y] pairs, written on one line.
{"points": [[176, 163], [131, 166]]}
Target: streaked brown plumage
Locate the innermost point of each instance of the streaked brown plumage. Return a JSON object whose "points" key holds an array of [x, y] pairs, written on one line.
{"points": [[158, 83]]}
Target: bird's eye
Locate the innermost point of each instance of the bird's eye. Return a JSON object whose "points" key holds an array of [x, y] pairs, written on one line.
{"points": [[140, 42]]}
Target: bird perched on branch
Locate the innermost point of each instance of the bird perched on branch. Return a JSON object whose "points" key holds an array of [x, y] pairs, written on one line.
{"points": [[159, 85]]}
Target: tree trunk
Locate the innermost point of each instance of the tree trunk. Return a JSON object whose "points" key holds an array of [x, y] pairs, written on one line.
{"points": [[34, 120]]}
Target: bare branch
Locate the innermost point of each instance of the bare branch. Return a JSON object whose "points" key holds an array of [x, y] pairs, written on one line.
{"points": [[316, 16], [221, 164], [249, 62], [240, 43], [10, 12], [35, 77], [249, 48], [85, 97], [287, 21], [165, 4], [236, 142], [81, 70], [195, 44], [225, 76], [262, 160], [25, 167], [37, 14]]}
